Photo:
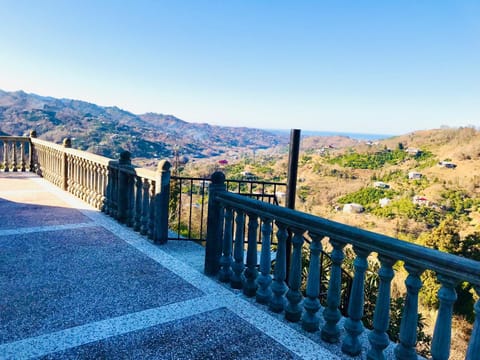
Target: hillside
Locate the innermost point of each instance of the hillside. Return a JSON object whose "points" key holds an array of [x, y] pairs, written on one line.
{"points": [[107, 130], [334, 171]]}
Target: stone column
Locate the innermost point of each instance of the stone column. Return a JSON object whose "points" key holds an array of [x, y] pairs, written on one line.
{"points": [[67, 143], [162, 198], [123, 183], [213, 248]]}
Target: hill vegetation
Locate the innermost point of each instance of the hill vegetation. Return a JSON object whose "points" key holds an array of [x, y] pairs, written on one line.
{"points": [[439, 207], [401, 182], [107, 130]]}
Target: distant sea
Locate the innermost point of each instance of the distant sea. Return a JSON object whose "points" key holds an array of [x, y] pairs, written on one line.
{"points": [[352, 135]]}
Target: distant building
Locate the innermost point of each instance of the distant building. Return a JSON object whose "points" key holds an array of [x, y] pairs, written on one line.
{"points": [[353, 208], [420, 200], [381, 185], [447, 164], [384, 202], [248, 175], [413, 175], [413, 151]]}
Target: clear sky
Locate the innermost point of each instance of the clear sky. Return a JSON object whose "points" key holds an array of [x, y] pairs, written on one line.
{"points": [[356, 66]]}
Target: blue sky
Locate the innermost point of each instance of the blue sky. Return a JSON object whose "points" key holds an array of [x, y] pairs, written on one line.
{"points": [[356, 66]]}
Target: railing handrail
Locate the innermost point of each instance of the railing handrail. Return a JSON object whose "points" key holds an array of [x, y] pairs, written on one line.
{"points": [[254, 182], [425, 258], [14, 138], [102, 160]]}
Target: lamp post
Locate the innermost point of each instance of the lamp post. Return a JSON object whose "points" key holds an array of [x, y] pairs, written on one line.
{"points": [[176, 161]]}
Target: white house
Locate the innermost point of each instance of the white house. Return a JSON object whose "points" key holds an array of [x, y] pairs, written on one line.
{"points": [[381, 185], [420, 200], [353, 208], [413, 151], [413, 175], [447, 164], [384, 202]]}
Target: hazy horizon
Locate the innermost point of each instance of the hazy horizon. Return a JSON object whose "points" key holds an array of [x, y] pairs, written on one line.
{"points": [[382, 67]]}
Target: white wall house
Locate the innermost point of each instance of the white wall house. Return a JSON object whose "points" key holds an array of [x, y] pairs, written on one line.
{"points": [[353, 208]]}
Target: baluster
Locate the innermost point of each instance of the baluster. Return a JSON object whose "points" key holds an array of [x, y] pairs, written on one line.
{"points": [[5, 156], [82, 179], [310, 320], [293, 310], [251, 272], [58, 170], [264, 292], [330, 331], [102, 188], [145, 207], [353, 325], [84, 166], [138, 203], [94, 193], [109, 191], [238, 266], [442, 335], [408, 327], [130, 200], [151, 211], [226, 260], [98, 186], [69, 172], [14, 160], [23, 165], [78, 187], [279, 287], [474, 344], [90, 183], [378, 338]]}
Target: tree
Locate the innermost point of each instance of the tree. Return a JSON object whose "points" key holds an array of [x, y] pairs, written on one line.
{"points": [[446, 237]]}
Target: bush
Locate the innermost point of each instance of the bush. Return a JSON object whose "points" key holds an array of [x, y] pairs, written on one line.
{"points": [[366, 196]]}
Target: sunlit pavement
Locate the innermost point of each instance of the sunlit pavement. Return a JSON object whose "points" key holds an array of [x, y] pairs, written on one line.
{"points": [[76, 284]]}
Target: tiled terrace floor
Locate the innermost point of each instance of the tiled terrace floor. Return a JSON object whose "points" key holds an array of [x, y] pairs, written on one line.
{"points": [[76, 284]]}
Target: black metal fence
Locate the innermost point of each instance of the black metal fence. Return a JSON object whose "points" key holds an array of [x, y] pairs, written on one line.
{"points": [[189, 202]]}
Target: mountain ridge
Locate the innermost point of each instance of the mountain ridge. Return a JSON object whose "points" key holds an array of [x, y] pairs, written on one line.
{"points": [[106, 130]]}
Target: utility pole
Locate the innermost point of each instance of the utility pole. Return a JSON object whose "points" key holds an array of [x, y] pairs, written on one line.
{"points": [[292, 182]]}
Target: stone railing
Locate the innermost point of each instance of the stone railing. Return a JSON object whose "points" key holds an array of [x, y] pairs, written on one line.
{"points": [[231, 218], [15, 153], [135, 196]]}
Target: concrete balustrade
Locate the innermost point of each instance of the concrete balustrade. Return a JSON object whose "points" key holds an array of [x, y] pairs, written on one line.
{"points": [[139, 198], [134, 196], [227, 209], [15, 153]]}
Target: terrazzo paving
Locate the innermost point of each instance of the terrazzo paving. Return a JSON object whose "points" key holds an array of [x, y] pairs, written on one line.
{"points": [[75, 284], [201, 336]]}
